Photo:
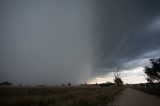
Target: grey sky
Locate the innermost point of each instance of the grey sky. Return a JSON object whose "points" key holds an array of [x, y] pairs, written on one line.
{"points": [[127, 30], [61, 41]]}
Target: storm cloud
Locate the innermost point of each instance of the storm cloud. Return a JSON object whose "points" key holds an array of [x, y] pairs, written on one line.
{"points": [[126, 30], [55, 42], [45, 42]]}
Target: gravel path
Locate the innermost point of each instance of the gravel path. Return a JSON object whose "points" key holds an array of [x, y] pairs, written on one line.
{"points": [[132, 97]]}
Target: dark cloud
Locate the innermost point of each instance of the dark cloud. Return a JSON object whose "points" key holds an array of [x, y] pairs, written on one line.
{"points": [[50, 42], [123, 30], [45, 42]]}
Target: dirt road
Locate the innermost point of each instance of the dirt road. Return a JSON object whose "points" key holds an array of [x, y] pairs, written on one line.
{"points": [[132, 97]]}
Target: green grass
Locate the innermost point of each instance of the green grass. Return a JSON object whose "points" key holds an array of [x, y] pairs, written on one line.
{"points": [[62, 96]]}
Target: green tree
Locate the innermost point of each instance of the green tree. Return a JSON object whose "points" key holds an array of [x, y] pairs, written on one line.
{"points": [[153, 72]]}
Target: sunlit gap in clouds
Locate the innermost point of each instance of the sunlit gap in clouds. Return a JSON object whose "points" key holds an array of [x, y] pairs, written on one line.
{"points": [[131, 76]]}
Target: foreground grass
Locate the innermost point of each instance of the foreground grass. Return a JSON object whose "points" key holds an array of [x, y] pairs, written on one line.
{"points": [[62, 96]]}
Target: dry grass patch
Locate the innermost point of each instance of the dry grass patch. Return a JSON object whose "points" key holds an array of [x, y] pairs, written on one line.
{"points": [[62, 96]]}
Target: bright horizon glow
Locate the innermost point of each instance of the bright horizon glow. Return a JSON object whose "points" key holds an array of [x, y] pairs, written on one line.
{"points": [[132, 76]]}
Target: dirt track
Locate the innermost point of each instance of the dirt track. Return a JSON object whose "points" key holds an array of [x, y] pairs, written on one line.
{"points": [[132, 97]]}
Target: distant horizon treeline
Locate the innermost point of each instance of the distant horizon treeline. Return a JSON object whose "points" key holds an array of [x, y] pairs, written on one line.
{"points": [[6, 83], [106, 84]]}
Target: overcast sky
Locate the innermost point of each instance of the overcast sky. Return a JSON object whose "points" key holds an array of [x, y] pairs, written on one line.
{"points": [[77, 41]]}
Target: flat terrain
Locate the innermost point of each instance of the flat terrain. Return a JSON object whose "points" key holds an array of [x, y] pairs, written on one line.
{"points": [[132, 97], [57, 96]]}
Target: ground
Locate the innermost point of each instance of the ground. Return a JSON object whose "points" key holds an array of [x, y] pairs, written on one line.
{"points": [[57, 96], [133, 97]]}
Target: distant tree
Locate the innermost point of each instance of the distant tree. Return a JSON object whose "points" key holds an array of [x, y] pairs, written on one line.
{"points": [[69, 84], [20, 85], [5, 83], [82, 84], [118, 82], [107, 84], [153, 72], [117, 78]]}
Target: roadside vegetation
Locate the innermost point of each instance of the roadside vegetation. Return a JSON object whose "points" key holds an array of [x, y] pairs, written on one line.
{"points": [[153, 91], [57, 96]]}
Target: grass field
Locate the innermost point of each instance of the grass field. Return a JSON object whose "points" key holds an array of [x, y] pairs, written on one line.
{"points": [[57, 96]]}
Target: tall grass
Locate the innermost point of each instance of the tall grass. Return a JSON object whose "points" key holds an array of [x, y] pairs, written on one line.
{"points": [[62, 96]]}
